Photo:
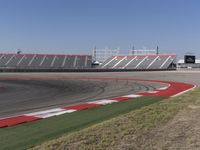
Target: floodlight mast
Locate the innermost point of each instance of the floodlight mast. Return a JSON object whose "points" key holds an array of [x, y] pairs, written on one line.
{"points": [[133, 48], [157, 49], [94, 53]]}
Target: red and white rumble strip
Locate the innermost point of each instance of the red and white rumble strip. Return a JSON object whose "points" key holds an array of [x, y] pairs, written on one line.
{"points": [[171, 89]]}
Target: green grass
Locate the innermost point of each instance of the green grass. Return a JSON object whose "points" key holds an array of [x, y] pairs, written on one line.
{"points": [[128, 130], [30, 134]]}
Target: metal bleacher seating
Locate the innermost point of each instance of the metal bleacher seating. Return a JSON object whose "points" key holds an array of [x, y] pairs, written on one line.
{"points": [[44, 61], [58, 61], [71, 62], [139, 62], [48, 61], [5, 60]]}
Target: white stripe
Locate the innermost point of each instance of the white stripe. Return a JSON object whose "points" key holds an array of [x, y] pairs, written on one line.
{"points": [[165, 62], [130, 62], [47, 115], [75, 61], [132, 96], [31, 60], [64, 60], [45, 111], [20, 60], [141, 62], [42, 60], [162, 88], [152, 92], [165, 87], [103, 102], [52, 63], [109, 61], [9, 60], [50, 113], [70, 110], [119, 62], [152, 62]]}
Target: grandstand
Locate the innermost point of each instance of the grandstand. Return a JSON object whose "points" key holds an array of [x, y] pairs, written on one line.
{"points": [[140, 62], [59, 62], [44, 61]]}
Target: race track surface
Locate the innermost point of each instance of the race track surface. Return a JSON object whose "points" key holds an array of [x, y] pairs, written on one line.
{"points": [[19, 96], [28, 92]]}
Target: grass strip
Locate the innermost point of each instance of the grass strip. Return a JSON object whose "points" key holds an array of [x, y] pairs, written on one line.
{"points": [[27, 135], [125, 131]]}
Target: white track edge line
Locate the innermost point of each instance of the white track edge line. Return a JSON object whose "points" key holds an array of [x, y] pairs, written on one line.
{"points": [[184, 91], [103, 102], [132, 96]]}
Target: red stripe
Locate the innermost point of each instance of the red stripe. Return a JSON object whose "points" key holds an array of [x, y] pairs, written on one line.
{"points": [[174, 89], [16, 120], [119, 98], [82, 106]]}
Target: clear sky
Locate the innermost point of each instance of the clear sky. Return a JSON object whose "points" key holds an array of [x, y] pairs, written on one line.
{"points": [[76, 26]]}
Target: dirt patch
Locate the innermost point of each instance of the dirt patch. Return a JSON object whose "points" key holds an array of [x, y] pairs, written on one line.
{"points": [[183, 132]]}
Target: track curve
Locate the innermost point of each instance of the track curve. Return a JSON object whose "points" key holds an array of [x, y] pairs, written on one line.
{"points": [[29, 92], [22, 95]]}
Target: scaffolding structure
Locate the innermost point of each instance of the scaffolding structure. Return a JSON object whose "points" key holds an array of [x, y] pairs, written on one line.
{"points": [[144, 51], [101, 55]]}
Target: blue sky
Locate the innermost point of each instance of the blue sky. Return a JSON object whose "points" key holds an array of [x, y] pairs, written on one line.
{"points": [[76, 26]]}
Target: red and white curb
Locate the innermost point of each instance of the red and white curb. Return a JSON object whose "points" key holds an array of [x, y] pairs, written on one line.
{"points": [[171, 89]]}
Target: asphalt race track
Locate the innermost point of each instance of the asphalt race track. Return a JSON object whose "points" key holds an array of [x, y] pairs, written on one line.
{"points": [[19, 96], [29, 92]]}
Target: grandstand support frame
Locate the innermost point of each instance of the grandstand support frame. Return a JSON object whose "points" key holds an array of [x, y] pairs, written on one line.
{"points": [[101, 55], [144, 52]]}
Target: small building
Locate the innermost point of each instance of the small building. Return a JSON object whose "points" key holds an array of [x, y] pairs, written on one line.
{"points": [[189, 61]]}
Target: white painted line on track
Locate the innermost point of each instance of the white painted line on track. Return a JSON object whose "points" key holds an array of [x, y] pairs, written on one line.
{"points": [[163, 88], [47, 115], [184, 91], [45, 111], [103, 102], [133, 96], [50, 113], [152, 92]]}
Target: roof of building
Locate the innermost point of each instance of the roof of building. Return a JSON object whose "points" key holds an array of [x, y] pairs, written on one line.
{"points": [[181, 61]]}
